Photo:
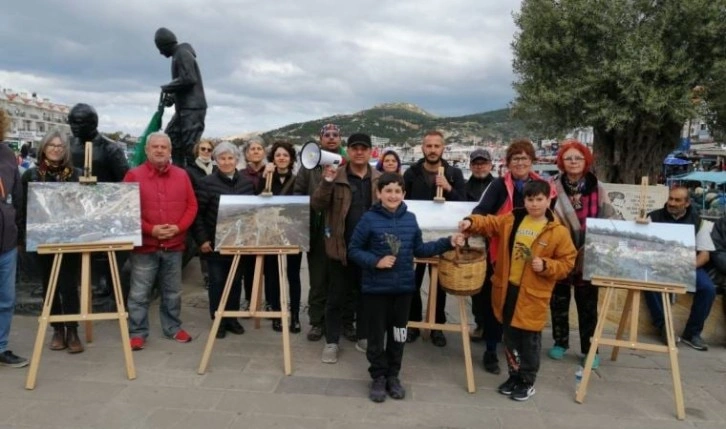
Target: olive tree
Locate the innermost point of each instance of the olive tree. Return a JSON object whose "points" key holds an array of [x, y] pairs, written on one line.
{"points": [[628, 68]]}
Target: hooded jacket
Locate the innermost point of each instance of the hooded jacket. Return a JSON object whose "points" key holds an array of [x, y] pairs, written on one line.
{"points": [[553, 245], [186, 83], [372, 240], [11, 200]]}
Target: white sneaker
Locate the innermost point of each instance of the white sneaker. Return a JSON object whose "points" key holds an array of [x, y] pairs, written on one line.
{"points": [[330, 353], [362, 345]]}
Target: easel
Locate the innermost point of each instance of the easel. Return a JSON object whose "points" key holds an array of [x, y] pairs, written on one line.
{"points": [[631, 311], [86, 315], [253, 312], [430, 323]]}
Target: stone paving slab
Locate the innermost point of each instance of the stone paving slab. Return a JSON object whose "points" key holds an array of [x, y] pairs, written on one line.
{"points": [[244, 386]]}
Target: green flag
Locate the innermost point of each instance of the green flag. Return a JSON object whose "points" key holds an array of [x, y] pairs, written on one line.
{"points": [[154, 126]]}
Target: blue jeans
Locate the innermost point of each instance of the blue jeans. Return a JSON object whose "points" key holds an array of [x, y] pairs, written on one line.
{"points": [[8, 265], [702, 301], [145, 269]]}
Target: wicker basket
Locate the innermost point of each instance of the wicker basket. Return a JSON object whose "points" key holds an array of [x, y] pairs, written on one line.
{"points": [[462, 271]]}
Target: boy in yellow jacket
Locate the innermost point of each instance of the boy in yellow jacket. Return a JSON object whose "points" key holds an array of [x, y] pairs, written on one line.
{"points": [[535, 251]]}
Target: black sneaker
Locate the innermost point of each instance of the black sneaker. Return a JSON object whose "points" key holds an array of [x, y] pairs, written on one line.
{"points": [[696, 342], [8, 358], [315, 333], [491, 362], [412, 334], [508, 386], [378, 389], [438, 339], [394, 388], [349, 332], [522, 392]]}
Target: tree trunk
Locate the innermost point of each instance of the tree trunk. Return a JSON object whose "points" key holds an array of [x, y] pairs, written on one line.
{"points": [[625, 155]]}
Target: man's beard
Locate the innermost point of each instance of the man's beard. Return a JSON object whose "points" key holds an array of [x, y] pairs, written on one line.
{"points": [[428, 161]]}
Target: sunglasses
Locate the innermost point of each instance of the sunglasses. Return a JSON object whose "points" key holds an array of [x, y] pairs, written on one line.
{"points": [[205, 149], [331, 135]]}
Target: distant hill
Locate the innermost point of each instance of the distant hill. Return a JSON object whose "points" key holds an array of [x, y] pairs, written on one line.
{"points": [[405, 123]]}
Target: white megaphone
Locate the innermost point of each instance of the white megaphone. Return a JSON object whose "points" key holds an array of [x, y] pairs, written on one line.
{"points": [[311, 156]]}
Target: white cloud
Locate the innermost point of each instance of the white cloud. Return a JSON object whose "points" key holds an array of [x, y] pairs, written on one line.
{"points": [[264, 64]]}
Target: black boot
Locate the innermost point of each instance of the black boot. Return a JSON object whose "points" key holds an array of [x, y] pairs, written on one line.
{"points": [[295, 322]]}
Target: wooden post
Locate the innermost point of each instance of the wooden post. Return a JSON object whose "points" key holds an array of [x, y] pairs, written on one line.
{"points": [[85, 249], [439, 198], [267, 192], [642, 213], [88, 177]]}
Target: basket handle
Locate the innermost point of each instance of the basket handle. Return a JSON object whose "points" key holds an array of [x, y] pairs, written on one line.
{"points": [[458, 249]]}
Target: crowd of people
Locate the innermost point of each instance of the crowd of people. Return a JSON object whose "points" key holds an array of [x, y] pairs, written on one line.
{"points": [[364, 285]]}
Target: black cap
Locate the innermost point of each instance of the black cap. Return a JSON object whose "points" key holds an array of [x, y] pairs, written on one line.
{"points": [[360, 138], [480, 153]]}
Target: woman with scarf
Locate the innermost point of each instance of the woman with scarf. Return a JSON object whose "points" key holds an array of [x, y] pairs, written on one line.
{"points": [[54, 165], [281, 160], [202, 167], [226, 180], [503, 195], [580, 196]]}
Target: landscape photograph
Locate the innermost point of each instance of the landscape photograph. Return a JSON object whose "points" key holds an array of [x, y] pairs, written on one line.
{"points": [[438, 220], [256, 221], [631, 251], [76, 213]]}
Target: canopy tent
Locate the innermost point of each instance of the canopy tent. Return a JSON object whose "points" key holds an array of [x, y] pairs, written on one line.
{"points": [[717, 177], [672, 160]]}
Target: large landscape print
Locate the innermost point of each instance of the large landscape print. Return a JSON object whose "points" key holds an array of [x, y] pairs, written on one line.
{"points": [[256, 221], [656, 252], [74, 213]]}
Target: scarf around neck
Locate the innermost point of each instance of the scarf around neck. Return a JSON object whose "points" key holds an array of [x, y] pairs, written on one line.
{"points": [[206, 167], [58, 173]]}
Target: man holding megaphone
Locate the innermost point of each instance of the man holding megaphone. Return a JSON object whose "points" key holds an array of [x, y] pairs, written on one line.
{"points": [[344, 194], [307, 180]]}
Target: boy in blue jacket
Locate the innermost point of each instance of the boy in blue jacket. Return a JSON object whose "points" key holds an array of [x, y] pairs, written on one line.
{"points": [[384, 243]]}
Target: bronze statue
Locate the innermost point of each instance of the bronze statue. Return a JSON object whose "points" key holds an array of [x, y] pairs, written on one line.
{"points": [[186, 93], [109, 157]]}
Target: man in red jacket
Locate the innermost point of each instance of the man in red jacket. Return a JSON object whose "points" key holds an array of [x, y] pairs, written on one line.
{"points": [[168, 208]]}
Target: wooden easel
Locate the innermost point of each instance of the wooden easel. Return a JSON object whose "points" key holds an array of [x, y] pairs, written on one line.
{"points": [[86, 315], [439, 198], [253, 312], [631, 311], [430, 323]]}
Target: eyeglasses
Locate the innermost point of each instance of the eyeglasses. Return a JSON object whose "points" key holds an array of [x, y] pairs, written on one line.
{"points": [[205, 149], [55, 146], [331, 135], [574, 159], [519, 159]]}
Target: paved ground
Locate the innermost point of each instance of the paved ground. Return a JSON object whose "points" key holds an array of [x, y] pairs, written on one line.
{"points": [[244, 386]]}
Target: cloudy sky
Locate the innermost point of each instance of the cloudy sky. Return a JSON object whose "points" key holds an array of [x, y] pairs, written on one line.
{"points": [[265, 64]]}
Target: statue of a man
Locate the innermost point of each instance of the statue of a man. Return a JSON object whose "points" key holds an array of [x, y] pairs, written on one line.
{"points": [[186, 93], [109, 157]]}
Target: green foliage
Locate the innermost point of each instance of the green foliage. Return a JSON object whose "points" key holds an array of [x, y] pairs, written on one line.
{"points": [[406, 123], [625, 67]]}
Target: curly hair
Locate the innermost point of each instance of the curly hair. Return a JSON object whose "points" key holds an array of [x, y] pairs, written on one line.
{"points": [[285, 145], [578, 146], [521, 146]]}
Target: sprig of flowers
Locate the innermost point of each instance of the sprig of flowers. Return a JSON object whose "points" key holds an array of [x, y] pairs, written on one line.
{"points": [[522, 252], [393, 242]]}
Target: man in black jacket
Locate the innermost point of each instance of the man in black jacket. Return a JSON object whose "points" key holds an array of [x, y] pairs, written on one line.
{"points": [[11, 200], [480, 164], [186, 93], [678, 210], [421, 180]]}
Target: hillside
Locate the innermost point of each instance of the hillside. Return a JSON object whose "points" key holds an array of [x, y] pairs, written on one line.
{"points": [[405, 123]]}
